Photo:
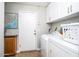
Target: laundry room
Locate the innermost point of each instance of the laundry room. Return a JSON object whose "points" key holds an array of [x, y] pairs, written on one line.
{"points": [[39, 29]]}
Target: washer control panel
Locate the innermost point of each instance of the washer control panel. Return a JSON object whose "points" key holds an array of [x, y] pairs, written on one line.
{"points": [[71, 33]]}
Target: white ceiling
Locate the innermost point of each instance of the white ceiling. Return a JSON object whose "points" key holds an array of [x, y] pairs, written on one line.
{"points": [[43, 4]]}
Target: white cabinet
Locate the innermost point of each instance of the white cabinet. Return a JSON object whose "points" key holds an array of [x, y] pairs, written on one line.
{"points": [[62, 9], [75, 7], [58, 10], [52, 12], [49, 12], [55, 11], [69, 8]]}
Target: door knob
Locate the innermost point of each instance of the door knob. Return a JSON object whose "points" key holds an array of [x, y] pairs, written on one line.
{"points": [[34, 33]]}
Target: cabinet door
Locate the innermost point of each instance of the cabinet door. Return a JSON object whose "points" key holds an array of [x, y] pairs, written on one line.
{"points": [[56, 10], [50, 12], [75, 7], [62, 9], [10, 45], [59, 9]]}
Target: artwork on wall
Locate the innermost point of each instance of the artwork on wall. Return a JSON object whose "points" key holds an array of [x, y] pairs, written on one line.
{"points": [[11, 20]]}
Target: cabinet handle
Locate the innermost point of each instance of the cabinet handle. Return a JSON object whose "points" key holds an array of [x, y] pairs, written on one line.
{"points": [[68, 9], [71, 8]]}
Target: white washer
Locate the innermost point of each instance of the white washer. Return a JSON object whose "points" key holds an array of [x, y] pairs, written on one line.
{"points": [[71, 33], [60, 48]]}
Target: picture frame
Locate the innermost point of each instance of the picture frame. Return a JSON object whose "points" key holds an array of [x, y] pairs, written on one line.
{"points": [[11, 20]]}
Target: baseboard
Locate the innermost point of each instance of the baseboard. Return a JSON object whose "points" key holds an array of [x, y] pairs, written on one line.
{"points": [[38, 49], [18, 51]]}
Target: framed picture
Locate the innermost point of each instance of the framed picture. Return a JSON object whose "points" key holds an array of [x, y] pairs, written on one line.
{"points": [[11, 20]]}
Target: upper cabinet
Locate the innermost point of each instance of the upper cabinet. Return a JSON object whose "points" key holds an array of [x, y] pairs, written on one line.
{"points": [[52, 12], [57, 11], [72, 8], [75, 7]]}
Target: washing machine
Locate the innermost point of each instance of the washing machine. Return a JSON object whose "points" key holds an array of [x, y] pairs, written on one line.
{"points": [[60, 48], [71, 33], [68, 45]]}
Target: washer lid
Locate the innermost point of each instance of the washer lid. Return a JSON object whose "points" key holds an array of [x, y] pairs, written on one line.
{"points": [[72, 47]]}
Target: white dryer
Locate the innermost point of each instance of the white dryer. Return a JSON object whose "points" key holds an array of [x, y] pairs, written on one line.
{"points": [[44, 45]]}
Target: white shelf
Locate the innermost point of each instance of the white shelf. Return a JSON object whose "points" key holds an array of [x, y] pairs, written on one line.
{"points": [[71, 24], [65, 18]]}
